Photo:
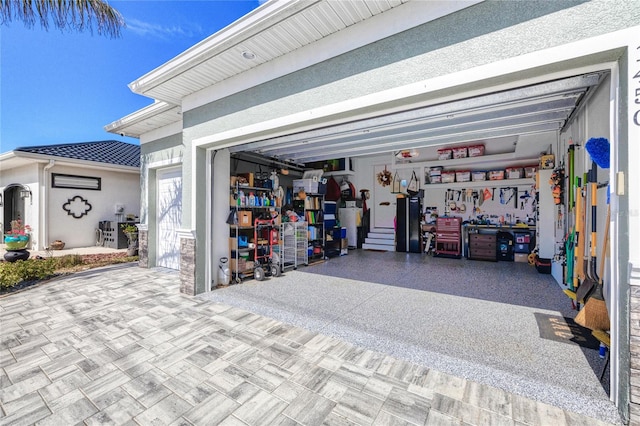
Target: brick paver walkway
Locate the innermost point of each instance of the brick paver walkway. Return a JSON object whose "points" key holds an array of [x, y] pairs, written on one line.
{"points": [[122, 346]]}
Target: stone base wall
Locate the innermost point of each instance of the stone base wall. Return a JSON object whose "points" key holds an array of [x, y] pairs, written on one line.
{"points": [[634, 345], [188, 266], [143, 249]]}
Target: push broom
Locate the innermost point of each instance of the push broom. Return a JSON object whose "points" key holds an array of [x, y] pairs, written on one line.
{"points": [[594, 314]]}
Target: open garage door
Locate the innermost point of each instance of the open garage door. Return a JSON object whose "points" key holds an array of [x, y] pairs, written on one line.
{"points": [[169, 212]]}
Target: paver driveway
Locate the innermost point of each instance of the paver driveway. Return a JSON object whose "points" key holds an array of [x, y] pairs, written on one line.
{"points": [[120, 345]]}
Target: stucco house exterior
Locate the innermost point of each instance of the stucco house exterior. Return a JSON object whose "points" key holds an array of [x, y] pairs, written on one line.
{"points": [[64, 191], [305, 81]]}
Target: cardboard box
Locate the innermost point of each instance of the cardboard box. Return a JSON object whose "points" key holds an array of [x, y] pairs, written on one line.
{"points": [[521, 257], [233, 243], [245, 218], [239, 264], [547, 161], [248, 178]]}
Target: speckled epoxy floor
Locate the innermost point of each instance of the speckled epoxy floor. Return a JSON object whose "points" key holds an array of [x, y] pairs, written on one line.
{"points": [[467, 318]]}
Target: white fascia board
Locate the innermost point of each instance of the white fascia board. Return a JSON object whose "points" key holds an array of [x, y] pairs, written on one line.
{"points": [[362, 107], [74, 162], [138, 116], [239, 30], [161, 132], [394, 21]]}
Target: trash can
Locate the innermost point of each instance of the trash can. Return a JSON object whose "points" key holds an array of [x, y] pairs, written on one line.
{"points": [[505, 246]]}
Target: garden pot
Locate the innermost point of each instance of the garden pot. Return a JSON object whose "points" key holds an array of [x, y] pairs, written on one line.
{"points": [[16, 242], [15, 255]]}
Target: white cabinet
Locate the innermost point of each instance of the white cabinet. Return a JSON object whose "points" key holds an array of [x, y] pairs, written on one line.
{"points": [[546, 223]]}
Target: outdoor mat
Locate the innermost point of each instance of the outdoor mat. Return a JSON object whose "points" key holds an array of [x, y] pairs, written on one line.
{"points": [[562, 329]]}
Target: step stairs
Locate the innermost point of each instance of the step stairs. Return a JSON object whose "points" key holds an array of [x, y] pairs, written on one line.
{"points": [[381, 239]]}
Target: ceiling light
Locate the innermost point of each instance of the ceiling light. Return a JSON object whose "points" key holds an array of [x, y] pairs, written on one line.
{"points": [[247, 54]]}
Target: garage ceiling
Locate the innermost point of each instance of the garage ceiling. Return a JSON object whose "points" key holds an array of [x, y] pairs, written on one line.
{"points": [[532, 109]]}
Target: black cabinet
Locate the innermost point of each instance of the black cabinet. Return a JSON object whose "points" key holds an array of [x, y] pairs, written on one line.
{"points": [[408, 230]]}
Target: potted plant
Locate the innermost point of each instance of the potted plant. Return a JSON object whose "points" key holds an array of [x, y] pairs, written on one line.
{"points": [[131, 231], [18, 237]]}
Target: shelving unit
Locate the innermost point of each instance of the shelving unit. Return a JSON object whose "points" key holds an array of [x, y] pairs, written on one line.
{"points": [[241, 233], [504, 183], [293, 244], [311, 208]]}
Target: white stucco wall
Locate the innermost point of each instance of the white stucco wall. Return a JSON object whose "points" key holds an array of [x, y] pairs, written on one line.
{"points": [[117, 188]]}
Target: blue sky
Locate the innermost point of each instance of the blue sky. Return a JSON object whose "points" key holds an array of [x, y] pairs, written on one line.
{"points": [[62, 87]]}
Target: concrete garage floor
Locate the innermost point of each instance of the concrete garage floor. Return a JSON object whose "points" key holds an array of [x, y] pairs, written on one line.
{"points": [[467, 318]]}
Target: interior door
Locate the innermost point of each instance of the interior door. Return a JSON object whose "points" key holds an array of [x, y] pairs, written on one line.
{"points": [[169, 217], [384, 202]]}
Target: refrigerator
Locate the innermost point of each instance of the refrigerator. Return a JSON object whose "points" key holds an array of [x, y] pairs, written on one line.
{"points": [[351, 218], [408, 228]]}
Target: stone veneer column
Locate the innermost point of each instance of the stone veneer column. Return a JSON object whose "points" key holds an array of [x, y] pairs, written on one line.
{"points": [[634, 345], [143, 246], [187, 263]]}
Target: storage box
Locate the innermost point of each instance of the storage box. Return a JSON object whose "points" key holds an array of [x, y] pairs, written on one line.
{"points": [[463, 176], [478, 176], [496, 174], [476, 150], [245, 218], [543, 265], [445, 154], [514, 173], [448, 176], [239, 264], [245, 179], [307, 185], [435, 179], [547, 161], [530, 171], [521, 257], [460, 152]]}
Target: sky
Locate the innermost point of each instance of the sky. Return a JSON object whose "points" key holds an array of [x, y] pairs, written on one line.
{"points": [[64, 87]]}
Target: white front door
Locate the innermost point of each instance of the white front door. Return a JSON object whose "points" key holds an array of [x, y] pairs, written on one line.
{"points": [[384, 202], [169, 217]]}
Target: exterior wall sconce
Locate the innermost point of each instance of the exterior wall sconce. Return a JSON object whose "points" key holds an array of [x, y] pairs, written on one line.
{"points": [[25, 193]]}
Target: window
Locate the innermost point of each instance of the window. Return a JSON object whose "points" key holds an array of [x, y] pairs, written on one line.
{"points": [[76, 182]]}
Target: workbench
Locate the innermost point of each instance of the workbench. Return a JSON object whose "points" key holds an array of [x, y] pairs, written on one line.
{"points": [[468, 229]]}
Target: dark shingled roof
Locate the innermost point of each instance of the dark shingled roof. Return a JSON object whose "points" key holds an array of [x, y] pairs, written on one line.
{"points": [[110, 152]]}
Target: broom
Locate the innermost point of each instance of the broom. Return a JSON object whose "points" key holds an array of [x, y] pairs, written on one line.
{"points": [[594, 314]]}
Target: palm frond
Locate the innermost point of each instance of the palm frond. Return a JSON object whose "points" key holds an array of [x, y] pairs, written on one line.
{"points": [[79, 15]]}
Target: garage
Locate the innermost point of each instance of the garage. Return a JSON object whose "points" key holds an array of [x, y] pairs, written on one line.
{"points": [[516, 129], [377, 98]]}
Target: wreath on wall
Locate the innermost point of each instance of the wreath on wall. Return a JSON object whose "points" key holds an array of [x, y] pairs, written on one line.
{"points": [[384, 177]]}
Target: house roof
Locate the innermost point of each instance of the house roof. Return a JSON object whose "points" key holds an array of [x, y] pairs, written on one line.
{"points": [[109, 152]]}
